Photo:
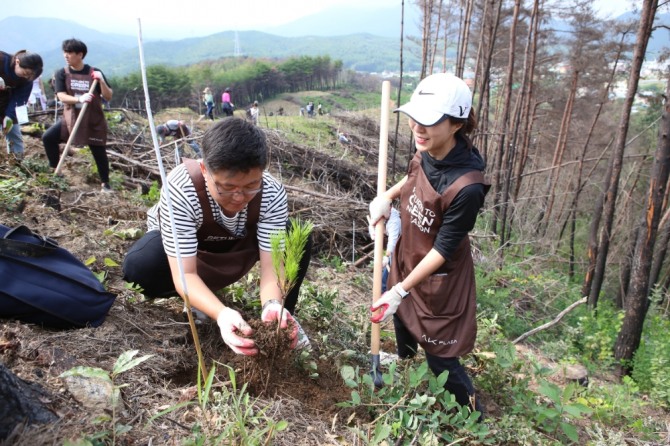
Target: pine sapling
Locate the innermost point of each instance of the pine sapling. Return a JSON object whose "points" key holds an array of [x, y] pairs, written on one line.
{"points": [[288, 247]]}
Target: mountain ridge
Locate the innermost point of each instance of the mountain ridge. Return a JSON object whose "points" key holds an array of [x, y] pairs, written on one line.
{"points": [[365, 51]]}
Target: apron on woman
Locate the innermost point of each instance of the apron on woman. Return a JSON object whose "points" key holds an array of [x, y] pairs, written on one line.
{"points": [[440, 312]]}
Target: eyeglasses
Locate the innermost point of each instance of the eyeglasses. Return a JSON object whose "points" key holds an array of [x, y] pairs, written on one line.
{"points": [[248, 193]]}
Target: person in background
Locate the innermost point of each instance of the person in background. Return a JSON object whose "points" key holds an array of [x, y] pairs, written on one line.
{"points": [[227, 206], [208, 98], [38, 93], [17, 71], [432, 283], [72, 85], [178, 130], [253, 113], [393, 232], [226, 103]]}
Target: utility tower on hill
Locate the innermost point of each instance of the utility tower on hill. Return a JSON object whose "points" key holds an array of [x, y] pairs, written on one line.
{"points": [[237, 52]]}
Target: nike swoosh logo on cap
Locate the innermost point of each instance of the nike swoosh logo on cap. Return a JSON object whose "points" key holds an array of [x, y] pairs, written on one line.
{"points": [[421, 93]]}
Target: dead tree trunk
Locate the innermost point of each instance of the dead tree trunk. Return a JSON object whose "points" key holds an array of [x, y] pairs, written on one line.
{"points": [[397, 115], [427, 11], [464, 38], [492, 22], [521, 113], [637, 302], [662, 246], [437, 37], [644, 31], [572, 217], [501, 175], [526, 117], [561, 143]]}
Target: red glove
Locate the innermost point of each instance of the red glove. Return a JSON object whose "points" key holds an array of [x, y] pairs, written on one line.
{"points": [[388, 303]]}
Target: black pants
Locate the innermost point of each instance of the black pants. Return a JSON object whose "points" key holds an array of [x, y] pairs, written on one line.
{"points": [[146, 265], [458, 383], [51, 140]]}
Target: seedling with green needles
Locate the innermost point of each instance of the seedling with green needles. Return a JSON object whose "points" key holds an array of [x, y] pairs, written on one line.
{"points": [[288, 247]]}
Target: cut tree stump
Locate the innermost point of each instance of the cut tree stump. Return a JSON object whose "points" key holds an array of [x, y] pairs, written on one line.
{"points": [[21, 403], [576, 373]]}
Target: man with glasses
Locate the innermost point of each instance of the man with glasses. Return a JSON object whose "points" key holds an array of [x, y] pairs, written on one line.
{"points": [[226, 206]]}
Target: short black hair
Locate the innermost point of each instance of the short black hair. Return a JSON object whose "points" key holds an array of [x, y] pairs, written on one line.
{"points": [[30, 61], [74, 46], [234, 145]]}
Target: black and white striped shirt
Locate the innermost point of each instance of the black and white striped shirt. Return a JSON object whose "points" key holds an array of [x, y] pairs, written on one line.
{"points": [[188, 213]]}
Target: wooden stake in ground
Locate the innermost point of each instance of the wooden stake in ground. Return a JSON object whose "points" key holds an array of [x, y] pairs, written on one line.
{"points": [[379, 229], [74, 129]]}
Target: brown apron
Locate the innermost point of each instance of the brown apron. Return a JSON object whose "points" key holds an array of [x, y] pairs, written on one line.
{"points": [[440, 312], [92, 130], [223, 258]]}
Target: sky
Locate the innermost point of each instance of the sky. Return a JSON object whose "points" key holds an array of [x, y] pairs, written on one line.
{"points": [[172, 19]]}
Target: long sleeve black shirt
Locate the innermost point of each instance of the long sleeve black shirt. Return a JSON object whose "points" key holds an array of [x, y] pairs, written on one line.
{"points": [[460, 217]]}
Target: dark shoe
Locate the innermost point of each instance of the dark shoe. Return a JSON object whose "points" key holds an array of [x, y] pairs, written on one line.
{"points": [[106, 188]]}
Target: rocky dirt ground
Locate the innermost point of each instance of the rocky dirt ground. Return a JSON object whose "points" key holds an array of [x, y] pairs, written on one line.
{"points": [[94, 227], [330, 187]]}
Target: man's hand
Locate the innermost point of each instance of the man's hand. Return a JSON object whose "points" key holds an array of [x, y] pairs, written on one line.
{"points": [[86, 97], [97, 75], [380, 208], [7, 124], [272, 311], [388, 303], [231, 324]]}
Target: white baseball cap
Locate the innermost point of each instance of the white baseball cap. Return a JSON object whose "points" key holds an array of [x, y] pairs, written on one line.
{"points": [[438, 95]]}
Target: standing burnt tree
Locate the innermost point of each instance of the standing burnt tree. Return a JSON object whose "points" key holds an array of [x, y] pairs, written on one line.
{"points": [[595, 273], [637, 299]]}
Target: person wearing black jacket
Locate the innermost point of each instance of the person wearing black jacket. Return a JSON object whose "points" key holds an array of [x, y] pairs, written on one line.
{"points": [[432, 284], [17, 72]]}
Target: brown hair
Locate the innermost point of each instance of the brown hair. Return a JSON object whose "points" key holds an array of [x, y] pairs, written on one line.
{"points": [[469, 126]]}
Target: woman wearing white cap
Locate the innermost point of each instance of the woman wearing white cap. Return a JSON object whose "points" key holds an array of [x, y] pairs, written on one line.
{"points": [[432, 284]]}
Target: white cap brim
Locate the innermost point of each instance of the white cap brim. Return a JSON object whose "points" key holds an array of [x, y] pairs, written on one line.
{"points": [[420, 114]]}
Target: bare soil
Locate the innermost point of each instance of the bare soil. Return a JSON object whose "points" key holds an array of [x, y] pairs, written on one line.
{"points": [[85, 221]]}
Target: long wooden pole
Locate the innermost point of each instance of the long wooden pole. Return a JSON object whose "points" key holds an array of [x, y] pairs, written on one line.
{"points": [[379, 228], [74, 129], [166, 190]]}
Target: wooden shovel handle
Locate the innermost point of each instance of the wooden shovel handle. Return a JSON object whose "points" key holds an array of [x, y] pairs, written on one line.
{"points": [[379, 228], [74, 129]]}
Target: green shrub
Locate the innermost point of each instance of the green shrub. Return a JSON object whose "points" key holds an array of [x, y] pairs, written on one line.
{"points": [[652, 359]]}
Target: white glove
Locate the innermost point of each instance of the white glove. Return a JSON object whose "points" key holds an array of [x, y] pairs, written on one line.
{"points": [[86, 97], [271, 311], [230, 323], [388, 304], [97, 75], [2, 84], [380, 208], [7, 124], [385, 261]]}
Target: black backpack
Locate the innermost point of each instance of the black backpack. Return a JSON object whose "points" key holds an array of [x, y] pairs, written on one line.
{"points": [[45, 284]]}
